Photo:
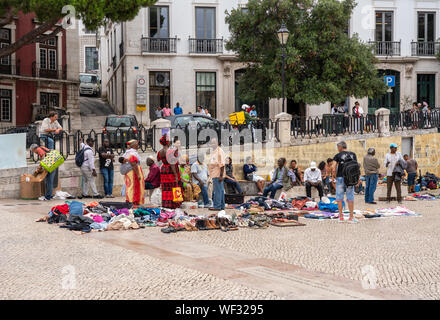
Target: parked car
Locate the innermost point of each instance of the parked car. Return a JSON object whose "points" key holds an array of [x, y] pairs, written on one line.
{"points": [[198, 120], [90, 84], [120, 129]]}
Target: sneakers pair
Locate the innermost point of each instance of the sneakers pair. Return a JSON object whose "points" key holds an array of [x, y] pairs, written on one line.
{"points": [[43, 198]]}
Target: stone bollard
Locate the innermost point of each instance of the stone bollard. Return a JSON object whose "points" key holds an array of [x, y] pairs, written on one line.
{"points": [[161, 126], [284, 128], [383, 121]]}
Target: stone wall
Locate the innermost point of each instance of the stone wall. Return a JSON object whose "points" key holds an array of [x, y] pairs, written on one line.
{"points": [[425, 146]]}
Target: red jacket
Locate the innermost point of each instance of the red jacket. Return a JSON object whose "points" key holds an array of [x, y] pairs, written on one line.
{"points": [[154, 176]]}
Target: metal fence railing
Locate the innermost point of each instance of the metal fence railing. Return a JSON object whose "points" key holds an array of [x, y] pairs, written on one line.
{"points": [[334, 125]]}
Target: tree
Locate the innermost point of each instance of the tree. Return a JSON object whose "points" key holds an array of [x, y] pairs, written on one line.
{"points": [[49, 14], [322, 62]]}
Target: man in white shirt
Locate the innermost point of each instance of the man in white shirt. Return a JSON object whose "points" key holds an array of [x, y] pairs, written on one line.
{"points": [[199, 172], [50, 126], [313, 178], [88, 171], [358, 113], [392, 159]]}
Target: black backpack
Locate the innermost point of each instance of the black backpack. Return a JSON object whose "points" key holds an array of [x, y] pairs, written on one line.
{"points": [[79, 158], [351, 172]]}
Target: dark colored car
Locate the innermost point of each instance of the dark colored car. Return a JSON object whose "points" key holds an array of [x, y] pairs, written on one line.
{"points": [[198, 120], [120, 129]]}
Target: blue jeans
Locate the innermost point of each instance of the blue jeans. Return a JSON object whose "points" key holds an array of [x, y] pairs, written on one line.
{"points": [[108, 180], [234, 184], [48, 141], [412, 178], [272, 188], [370, 187], [49, 184], [205, 195], [218, 194]]}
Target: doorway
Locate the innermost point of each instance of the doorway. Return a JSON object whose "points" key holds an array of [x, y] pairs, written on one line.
{"points": [[391, 99], [426, 89]]}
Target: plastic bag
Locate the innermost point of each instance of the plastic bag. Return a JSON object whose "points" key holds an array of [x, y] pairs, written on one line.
{"points": [[156, 197], [123, 191]]}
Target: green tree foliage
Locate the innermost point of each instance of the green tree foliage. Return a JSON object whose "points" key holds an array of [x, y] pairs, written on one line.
{"points": [[94, 14], [322, 62]]}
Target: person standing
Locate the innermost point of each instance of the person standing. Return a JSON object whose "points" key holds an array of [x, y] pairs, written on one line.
{"points": [[49, 127], [393, 159], [199, 173], [253, 112], [371, 169], [41, 152], [313, 178], [106, 159], [229, 178], [216, 168], [134, 179], [166, 111], [341, 159], [358, 113], [158, 112], [280, 179], [88, 171], [200, 110], [178, 109], [411, 169], [207, 113], [331, 175], [169, 173], [153, 179]]}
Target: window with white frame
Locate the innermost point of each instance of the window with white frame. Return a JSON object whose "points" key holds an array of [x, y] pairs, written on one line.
{"points": [[48, 54], [5, 41], [5, 105]]}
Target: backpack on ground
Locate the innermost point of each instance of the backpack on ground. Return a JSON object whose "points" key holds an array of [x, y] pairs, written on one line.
{"points": [[351, 173], [79, 158]]}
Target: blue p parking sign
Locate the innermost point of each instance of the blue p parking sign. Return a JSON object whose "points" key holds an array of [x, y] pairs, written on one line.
{"points": [[390, 81]]}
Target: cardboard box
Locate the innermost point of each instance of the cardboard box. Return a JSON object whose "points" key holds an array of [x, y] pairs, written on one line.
{"points": [[31, 186]]}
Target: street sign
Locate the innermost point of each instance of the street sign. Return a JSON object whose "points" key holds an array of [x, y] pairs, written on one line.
{"points": [[390, 81], [141, 93]]}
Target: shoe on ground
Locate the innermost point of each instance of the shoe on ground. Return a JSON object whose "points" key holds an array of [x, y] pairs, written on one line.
{"points": [[83, 197], [354, 220], [110, 196], [97, 197], [374, 202], [42, 198], [341, 221]]}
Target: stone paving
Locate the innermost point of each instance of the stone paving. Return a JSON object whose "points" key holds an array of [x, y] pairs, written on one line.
{"points": [[321, 260]]}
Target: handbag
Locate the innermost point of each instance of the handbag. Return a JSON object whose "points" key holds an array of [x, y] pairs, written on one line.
{"points": [[125, 168], [177, 194], [52, 161]]}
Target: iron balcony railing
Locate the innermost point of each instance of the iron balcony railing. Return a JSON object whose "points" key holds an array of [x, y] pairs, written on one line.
{"points": [[38, 71], [12, 69], [386, 48], [206, 46], [425, 48], [159, 45]]}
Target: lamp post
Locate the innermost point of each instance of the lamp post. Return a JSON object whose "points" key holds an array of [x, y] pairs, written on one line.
{"points": [[283, 35]]}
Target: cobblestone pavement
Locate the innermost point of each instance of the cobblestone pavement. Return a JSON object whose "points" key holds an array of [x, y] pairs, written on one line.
{"points": [[323, 259]]}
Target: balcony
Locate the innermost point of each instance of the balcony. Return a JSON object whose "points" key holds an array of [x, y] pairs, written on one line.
{"points": [[158, 45], [59, 73], [206, 46], [11, 69], [425, 48], [386, 48]]}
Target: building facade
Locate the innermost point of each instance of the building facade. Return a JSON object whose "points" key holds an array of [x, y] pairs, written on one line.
{"points": [[404, 36], [40, 74], [179, 47]]}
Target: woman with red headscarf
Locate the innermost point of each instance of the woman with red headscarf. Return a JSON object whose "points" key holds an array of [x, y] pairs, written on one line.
{"points": [[134, 180], [169, 172]]}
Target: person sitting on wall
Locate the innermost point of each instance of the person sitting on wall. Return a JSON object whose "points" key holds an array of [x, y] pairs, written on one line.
{"points": [[249, 170], [313, 178], [49, 127], [280, 179], [230, 179]]}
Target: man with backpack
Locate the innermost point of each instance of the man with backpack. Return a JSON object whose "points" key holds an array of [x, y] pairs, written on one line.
{"points": [[347, 177], [85, 159]]}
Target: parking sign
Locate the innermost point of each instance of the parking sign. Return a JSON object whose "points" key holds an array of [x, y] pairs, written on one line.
{"points": [[390, 81]]}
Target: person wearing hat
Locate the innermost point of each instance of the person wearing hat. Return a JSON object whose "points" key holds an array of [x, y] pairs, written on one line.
{"points": [[313, 178], [371, 168], [394, 162]]}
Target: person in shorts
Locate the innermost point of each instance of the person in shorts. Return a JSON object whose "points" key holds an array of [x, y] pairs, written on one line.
{"points": [[342, 189], [249, 170], [411, 169]]}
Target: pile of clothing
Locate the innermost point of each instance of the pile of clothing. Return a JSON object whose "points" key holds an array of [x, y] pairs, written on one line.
{"points": [[390, 212], [76, 216]]}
